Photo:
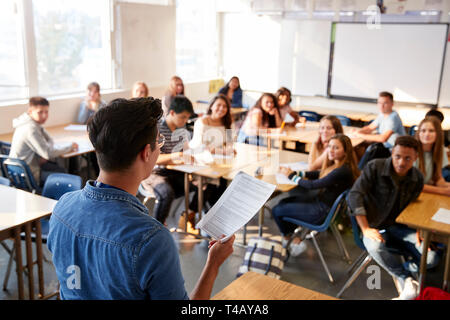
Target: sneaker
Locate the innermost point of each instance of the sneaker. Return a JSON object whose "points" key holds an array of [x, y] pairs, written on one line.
{"points": [[296, 249], [410, 290]]}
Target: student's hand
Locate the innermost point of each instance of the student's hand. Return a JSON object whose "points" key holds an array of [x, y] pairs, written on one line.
{"points": [[373, 234], [219, 252], [286, 171], [74, 147]]}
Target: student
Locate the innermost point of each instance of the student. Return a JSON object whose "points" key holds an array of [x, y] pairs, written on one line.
{"points": [[328, 127], [176, 87], [139, 90], [168, 184], [388, 124], [233, 91], [284, 99], [432, 157], [33, 144], [91, 104], [384, 189], [265, 114], [103, 241], [338, 173]]}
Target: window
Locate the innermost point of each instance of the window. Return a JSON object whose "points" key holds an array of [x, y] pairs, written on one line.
{"points": [[12, 67], [196, 40]]}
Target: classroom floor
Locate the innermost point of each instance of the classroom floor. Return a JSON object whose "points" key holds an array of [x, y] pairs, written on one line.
{"points": [[305, 270]]}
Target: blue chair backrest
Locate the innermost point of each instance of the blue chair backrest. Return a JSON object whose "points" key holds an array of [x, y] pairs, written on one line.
{"points": [[345, 121], [58, 184], [20, 174], [412, 130], [374, 151], [5, 181], [310, 115], [2, 169], [5, 147]]}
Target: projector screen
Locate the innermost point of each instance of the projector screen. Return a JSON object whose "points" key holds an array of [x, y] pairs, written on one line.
{"points": [[405, 59]]}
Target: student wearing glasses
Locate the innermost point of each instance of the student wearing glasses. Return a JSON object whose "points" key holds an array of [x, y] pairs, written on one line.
{"points": [[104, 243]]}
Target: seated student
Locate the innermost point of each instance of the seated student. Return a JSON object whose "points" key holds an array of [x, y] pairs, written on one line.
{"points": [[388, 124], [33, 144], [168, 184], [328, 127], [384, 189], [263, 115], [432, 157], [176, 87], [338, 173], [233, 91], [139, 90], [91, 104], [104, 243], [284, 99]]}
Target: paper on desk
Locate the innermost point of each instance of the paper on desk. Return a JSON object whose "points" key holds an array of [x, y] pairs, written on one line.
{"points": [[76, 127], [296, 166], [282, 179], [442, 215], [204, 157], [188, 168], [237, 205]]}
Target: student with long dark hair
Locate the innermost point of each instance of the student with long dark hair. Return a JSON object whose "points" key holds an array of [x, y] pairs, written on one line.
{"points": [[233, 91]]}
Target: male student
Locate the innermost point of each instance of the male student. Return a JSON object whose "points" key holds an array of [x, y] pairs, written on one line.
{"points": [[104, 243], [33, 144], [388, 124], [384, 188]]}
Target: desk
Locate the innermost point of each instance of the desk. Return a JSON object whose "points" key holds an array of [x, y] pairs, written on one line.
{"points": [[351, 114], [22, 211], [255, 286], [418, 215]]}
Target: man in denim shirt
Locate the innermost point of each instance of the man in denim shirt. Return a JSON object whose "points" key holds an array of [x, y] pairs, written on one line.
{"points": [[104, 243], [379, 195]]}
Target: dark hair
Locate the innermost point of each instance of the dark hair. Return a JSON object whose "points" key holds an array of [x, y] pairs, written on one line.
{"points": [[226, 119], [228, 83], [408, 142], [93, 85], [180, 104], [122, 129], [435, 113], [38, 101], [266, 118], [284, 92], [386, 94]]}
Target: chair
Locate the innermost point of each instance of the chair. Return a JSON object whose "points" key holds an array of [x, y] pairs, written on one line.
{"points": [[311, 229], [20, 174], [345, 121], [5, 181], [374, 151], [412, 130], [5, 147], [310, 115], [55, 186]]}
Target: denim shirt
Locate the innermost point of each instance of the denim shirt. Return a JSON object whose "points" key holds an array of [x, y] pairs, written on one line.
{"points": [[106, 246], [374, 193]]}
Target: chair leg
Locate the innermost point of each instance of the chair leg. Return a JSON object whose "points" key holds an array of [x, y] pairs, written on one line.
{"points": [[8, 269], [340, 243], [356, 274], [321, 257], [357, 262]]}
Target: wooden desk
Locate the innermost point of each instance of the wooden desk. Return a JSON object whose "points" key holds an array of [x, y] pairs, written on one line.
{"points": [[351, 114], [255, 286], [21, 211], [418, 215]]}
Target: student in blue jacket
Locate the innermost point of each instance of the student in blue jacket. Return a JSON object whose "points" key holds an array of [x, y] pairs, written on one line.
{"points": [[233, 91]]}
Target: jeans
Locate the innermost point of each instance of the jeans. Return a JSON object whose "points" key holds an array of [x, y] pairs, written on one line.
{"points": [[399, 241], [302, 207]]}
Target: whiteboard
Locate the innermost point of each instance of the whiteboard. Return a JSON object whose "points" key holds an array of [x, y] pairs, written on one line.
{"points": [[405, 59]]}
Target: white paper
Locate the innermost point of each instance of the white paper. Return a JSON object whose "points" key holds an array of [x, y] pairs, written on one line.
{"points": [[296, 166], [204, 157], [282, 179], [442, 215], [188, 168], [288, 118], [237, 205], [76, 127]]}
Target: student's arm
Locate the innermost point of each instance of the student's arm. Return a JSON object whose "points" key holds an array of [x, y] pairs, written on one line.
{"points": [[369, 128], [316, 162], [168, 158], [339, 175], [218, 253], [83, 114], [443, 190], [376, 137], [367, 231], [42, 145]]}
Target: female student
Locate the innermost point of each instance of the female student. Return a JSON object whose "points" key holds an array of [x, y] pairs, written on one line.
{"points": [[338, 173], [328, 127], [432, 157], [265, 114], [284, 99], [139, 90], [176, 87], [91, 104], [233, 91]]}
